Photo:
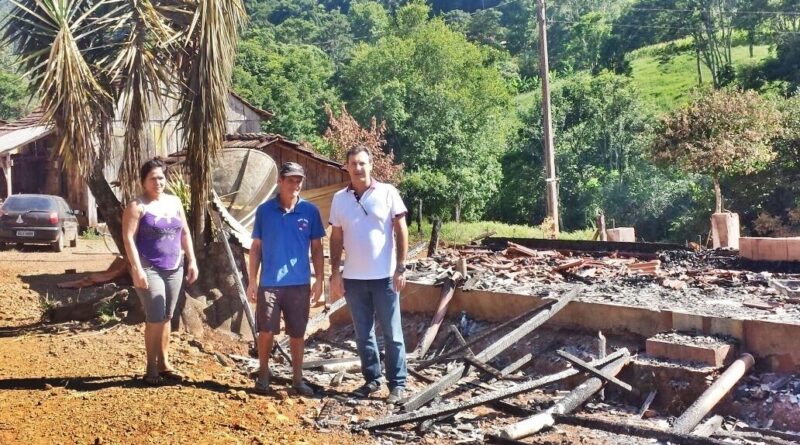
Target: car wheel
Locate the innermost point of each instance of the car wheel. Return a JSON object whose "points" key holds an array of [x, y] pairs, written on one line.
{"points": [[74, 241], [58, 245]]}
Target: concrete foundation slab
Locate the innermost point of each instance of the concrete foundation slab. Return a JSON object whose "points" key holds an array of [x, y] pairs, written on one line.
{"points": [[775, 344]]}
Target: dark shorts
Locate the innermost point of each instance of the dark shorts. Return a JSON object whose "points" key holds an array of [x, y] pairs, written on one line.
{"points": [[293, 301]]}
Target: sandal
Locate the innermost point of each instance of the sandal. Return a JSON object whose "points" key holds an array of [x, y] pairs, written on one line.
{"points": [[153, 380], [171, 374], [261, 386]]}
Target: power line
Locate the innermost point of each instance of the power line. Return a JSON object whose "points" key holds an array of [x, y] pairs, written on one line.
{"points": [[671, 28], [789, 13]]}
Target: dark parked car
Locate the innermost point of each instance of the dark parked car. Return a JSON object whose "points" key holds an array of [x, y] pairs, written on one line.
{"points": [[38, 219]]}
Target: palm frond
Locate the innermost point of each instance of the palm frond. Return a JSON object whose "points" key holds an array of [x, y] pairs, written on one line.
{"points": [[142, 70], [206, 68], [74, 101]]}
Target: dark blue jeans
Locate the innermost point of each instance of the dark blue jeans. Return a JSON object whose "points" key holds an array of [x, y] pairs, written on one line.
{"points": [[368, 300]]}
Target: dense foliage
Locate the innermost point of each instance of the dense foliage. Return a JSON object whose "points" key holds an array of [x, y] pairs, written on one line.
{"points": [[454, 87]]}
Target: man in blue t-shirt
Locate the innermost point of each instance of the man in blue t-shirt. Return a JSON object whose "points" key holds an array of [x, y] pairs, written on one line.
{"points": [[286, 226]]}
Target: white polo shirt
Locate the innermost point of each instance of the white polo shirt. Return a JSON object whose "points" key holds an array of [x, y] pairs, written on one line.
{"points": [[368, 229]]}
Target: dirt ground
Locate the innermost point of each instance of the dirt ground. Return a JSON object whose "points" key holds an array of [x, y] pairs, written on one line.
{"points": [[81, 383]]}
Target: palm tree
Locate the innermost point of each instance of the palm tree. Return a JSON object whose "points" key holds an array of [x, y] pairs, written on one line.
{"points": [[84, 57]]}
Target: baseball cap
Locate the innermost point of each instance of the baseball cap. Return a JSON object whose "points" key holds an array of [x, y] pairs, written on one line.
{"points": [[292, 169]]}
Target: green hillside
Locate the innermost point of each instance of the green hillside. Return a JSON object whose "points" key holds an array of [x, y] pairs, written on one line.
{"points": [[666, 85]]}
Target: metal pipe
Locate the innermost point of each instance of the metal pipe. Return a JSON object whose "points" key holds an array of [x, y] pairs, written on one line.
{"points": [[709, 399]]}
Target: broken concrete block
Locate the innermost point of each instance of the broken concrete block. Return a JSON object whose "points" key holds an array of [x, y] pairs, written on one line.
{"points": [[766, 249], [725, 230], [793, 248], [701, 349], [622, 234]]}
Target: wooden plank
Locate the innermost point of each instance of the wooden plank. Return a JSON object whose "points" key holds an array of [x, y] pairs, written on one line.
{"points": [[448, 290], [493, 350], [594, 371]]}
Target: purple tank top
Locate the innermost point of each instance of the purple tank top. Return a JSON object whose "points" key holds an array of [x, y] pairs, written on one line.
{"points": [[158, 240]]}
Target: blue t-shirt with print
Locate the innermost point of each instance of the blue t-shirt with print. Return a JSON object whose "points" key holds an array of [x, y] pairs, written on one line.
{"points": [[285, 240]]}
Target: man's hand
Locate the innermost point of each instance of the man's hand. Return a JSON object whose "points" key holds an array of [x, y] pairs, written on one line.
{"points": [[252, 288], [399, 281], [139, 278], [191, 272], [337, 287], [316, 290]]}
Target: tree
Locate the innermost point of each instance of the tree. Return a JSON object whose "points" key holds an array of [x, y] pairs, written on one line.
{"points": [[291, 80], [585, 42], [13, 95], [712, 23], [721, 133], [368, 20], [86, 57], [445, 108], [485, 28], [344, 132], [600, 125]]}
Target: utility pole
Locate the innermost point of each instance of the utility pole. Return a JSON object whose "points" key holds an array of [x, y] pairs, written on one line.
{"points": [[549, 155]]}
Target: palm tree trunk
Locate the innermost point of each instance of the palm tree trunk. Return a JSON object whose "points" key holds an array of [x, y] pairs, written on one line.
{"points": [[717, 195], [107, 203]]}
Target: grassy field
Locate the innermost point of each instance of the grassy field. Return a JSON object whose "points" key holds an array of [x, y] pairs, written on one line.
{"points": [[461, 233], [665, 85], [668, 85]]}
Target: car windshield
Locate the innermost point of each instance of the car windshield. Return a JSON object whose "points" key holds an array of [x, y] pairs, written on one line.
{"points": [[29, 203]]}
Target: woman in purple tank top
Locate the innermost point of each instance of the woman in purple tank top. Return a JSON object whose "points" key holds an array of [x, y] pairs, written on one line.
{"points": [[157, 239]]}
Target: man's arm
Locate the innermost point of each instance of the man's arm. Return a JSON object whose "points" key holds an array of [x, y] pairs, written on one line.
{"points": [[252, 268], [318, 259], [401, 244], [337, 245]]}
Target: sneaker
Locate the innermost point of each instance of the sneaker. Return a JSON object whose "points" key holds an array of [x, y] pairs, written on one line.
{"points": [[396, 395], [366, 389], [303, 390]]}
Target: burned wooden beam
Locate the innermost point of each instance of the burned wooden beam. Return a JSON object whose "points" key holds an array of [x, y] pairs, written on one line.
{"points": [[709, 399], [434, 243], [768, 432], [709, 427], [569, 403], [448, 290], [312, 364], [628, 429], [520, 388], [594, 371], [647, 402], [634, 249], [248, 311], [519, 363], [485, 367], [492, 350], [459, 351]]}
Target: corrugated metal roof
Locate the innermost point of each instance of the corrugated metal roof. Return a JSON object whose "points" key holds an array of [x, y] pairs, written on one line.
{"points": [[17, 133], [32, 120], [263, 113], [261, 140]]}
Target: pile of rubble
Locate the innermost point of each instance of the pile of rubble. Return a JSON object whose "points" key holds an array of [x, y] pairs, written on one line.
{"points": [[706, 282]]}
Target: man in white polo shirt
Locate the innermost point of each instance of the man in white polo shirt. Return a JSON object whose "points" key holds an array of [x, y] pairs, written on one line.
{"points": [[368, 219]]}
